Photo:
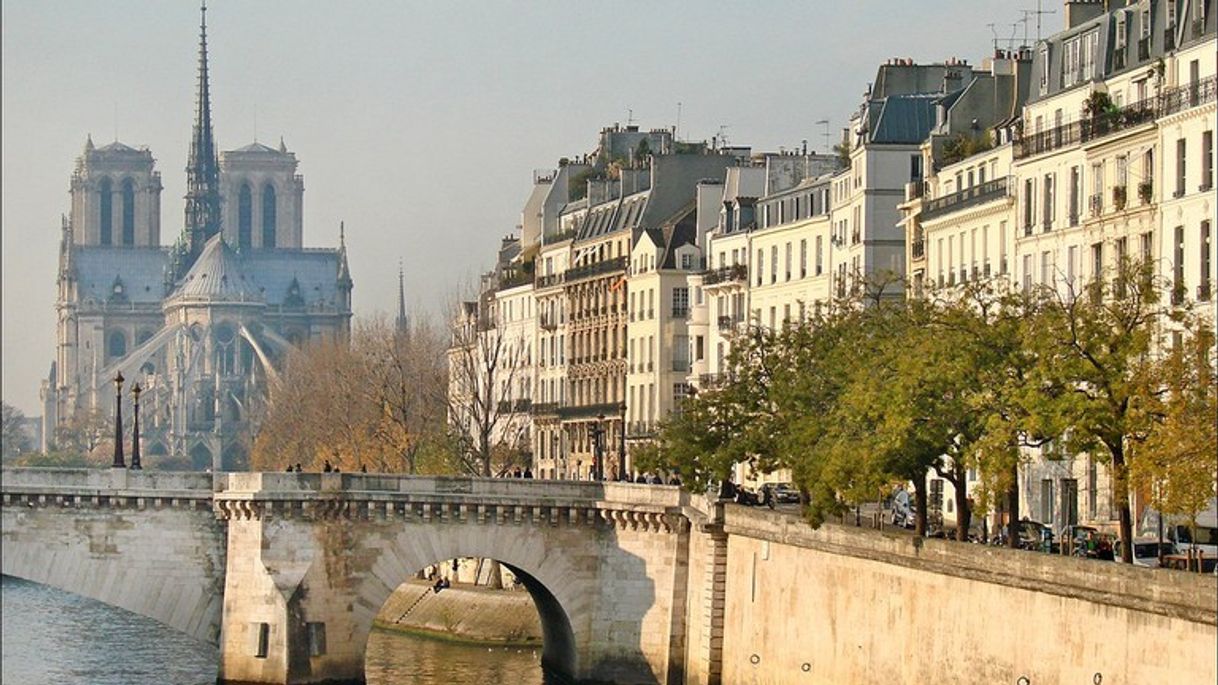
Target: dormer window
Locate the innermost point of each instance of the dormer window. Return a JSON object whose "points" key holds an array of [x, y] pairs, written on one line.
{"points": [[1144, 20], [1121, 31]]}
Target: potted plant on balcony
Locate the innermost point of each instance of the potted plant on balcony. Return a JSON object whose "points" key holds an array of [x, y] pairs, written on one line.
{"points": [[1118, 197], [1146, 191]]}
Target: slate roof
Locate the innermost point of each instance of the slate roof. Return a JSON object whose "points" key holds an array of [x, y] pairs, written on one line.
{"points": [[904, 119], [218, 275], [142, 270]]}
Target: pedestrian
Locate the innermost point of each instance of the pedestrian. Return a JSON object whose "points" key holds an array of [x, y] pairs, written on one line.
{"points": [[299, 469], [640, 478], [363, 468], [675, 480], [528, 473], [289, 468], [327, 468]]}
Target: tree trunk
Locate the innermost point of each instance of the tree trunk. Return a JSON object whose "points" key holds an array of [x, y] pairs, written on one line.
{"points": [[964, 514], [494, 579], [921, 498], [1120, 477], [1013, 509]]}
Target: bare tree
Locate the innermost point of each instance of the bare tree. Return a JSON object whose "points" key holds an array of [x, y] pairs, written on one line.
{"points": [[485, 365], [13, 438]]}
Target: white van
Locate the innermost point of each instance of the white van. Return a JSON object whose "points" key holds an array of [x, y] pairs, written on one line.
{"points": [[1200, 534]]}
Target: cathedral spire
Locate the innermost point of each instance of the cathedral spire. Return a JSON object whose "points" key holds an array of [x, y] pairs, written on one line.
{"points": [[202, 169], [400, 324]]}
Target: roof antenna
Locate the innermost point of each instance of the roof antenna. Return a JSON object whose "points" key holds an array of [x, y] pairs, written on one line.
{"points": [[629, 116], [825, 123]]}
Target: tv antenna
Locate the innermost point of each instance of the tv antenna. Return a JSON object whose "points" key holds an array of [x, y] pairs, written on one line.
{"points": [[629, 116], [825, 123], [1027, 17], [721, 136]]}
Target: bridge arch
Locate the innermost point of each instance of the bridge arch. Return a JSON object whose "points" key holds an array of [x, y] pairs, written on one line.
{"points": [[557, 588]]}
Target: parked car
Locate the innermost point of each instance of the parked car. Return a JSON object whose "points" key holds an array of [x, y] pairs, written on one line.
{"points": [[1036, 536], [1146, 551], [1077, 537], [903, 511], [785, 493]]}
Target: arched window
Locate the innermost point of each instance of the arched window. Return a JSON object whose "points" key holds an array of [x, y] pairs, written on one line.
{"points": [[116, 344], [105, 211], [128, 212], [245, 216], [268, 216]]}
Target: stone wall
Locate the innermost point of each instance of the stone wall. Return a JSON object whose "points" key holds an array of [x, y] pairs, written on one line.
{"points": [[841, 605], [143, 541]]}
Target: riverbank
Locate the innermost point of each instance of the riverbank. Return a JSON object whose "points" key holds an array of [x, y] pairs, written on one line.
{"points": [[469, 614]]}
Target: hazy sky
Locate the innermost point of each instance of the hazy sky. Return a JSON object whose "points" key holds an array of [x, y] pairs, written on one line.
{"points": [[419, 124]]}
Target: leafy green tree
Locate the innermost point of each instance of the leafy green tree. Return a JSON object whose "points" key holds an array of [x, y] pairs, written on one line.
{"points": [[1175, 464], [1086, 386]]}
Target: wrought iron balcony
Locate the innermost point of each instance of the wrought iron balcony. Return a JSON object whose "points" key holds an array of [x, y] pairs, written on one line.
{"points": [[726, 274], [969, 197], [544, 409], [579, 411], [727, 323], [608, 266]]}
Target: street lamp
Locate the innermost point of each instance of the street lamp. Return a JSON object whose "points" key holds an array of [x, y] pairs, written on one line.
{"points": [[118, 421], [135, 428], [598, 447]]}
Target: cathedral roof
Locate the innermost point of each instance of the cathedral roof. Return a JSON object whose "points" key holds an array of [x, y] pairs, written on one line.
{"points": [[118, 147], [217, 276], [258, 148], [142, 270]]}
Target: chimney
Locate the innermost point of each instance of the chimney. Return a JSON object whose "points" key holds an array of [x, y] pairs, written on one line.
{"points": [[1082, 11]]}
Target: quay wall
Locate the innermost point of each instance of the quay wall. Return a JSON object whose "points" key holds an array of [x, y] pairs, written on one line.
{"points": [[839, 605]]}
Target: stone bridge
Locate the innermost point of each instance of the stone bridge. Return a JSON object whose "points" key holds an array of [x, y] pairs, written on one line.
{"points": [[633, 583]]}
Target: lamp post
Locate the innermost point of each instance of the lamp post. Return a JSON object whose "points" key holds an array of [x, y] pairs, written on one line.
{"points": [[118, 421], [135, 428], [598, 447]]}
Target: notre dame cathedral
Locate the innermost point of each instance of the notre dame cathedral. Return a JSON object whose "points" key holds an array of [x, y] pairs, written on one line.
{"points": [[202, 325]]}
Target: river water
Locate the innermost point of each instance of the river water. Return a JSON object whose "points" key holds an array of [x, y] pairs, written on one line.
{"points": [[51, 636]]}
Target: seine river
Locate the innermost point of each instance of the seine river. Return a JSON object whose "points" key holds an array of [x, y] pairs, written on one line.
{"points": [[49, 636]]}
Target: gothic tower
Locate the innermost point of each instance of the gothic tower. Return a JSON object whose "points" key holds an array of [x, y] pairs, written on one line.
{"points": [[202, 169], [116, 197]]}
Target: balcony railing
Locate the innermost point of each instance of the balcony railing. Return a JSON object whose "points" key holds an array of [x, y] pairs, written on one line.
{"points": [[1090, 128], [727, 323], [580, 411], [548, 322], [1189, 95], [726, 274], [596, 269], [969, 197]]}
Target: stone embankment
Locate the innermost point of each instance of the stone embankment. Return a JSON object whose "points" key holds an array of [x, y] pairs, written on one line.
{"points": [[464, 613]]}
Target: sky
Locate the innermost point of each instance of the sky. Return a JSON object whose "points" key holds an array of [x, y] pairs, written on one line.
{"points": [[419, 125]]}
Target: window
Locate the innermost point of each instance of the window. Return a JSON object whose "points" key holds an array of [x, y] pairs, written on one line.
{"points": [[820, 255], [116, 345], [1203, 293], [774, 264], [1076, 189], [1097, 261], [245, 216], [262, 639], [788, 261], [1122, 31], [1002, 247], [803, 258], [1044, 70], [699, 348], [1207, 160], [680, 302], [1046, 268], [1069, 502], [1029, 200], [1071, 265], [1027, 274], [1178, 266], [105, 211], [317, 639], [1181, 166], [268, 216], [760, 266], [1046, 500], [1048, 203], [128, 212]]}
